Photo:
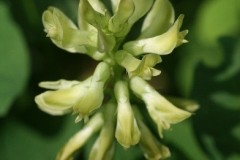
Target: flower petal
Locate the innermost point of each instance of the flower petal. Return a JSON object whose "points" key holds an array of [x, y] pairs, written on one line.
{"points": [[60, 84], [118, 22], [127, 132], [91, 16], [141, 7], [80, 138], [103, 146], [93, 93], [135, 67], [162, 44], [126, 14], [64, 33], [160, 109], [61, 101], [163, 11]]}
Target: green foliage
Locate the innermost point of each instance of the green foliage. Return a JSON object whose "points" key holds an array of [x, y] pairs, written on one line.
{"points": [[19, 141], [14, 61]]}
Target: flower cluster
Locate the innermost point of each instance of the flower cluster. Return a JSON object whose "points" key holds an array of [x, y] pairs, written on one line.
{"points": [[101, 34]]}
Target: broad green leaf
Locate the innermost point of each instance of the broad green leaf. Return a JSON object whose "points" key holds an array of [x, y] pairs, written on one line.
{"points": [[18, 141], [217, 18], [14, 62], [182, 136], [210, 26]]}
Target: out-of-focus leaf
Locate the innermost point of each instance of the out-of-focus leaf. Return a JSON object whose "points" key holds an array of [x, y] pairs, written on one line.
{"points": [[182, 137], [228, 100], [209, 28], [21, 142], [234, 67], [186, 69], [217, 18], [14, 64], [211, 147], [204, 46], [236, 131], [234, 157]]}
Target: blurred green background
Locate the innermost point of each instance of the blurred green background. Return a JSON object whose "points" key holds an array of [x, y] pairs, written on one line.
{"points": [[207, 70]]}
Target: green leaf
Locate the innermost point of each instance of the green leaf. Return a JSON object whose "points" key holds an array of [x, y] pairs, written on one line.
{"points": [[217, 18], [210, 144], [186, 70], [234, 67], [228, 100], [14, 62], [18, 141], [209, 28], [182, 136]]}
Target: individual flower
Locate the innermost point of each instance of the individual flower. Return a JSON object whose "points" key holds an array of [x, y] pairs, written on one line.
{"points": [[80, 138], [127, 132], [80, 97], [64, 33], [135, 67], [103, 147], [162, 44], [163, 112]]}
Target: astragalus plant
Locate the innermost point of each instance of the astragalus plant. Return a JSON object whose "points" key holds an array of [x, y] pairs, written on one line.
{"points": [[106, 101]]}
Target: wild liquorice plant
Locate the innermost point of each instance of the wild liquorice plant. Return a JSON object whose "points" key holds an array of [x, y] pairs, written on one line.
{"points": [[121, 74]]}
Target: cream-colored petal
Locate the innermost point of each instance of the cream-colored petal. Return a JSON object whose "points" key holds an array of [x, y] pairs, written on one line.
{"points": [[159, 19], [135, 67], [162, 44], [163, 112], [61, 101], [103, 147], [93, 95], [127, 132], [60, 84], [80, 138], [65, 34]]}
